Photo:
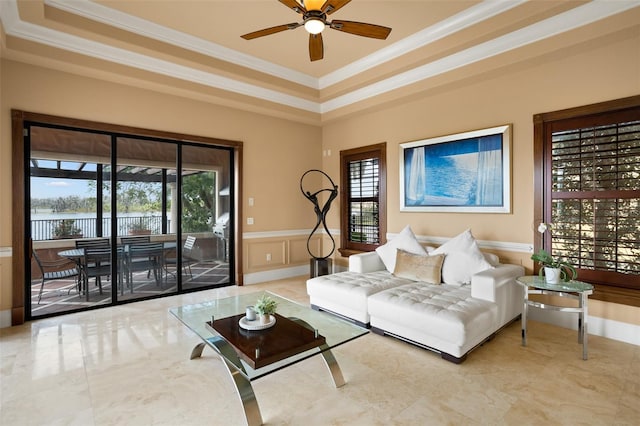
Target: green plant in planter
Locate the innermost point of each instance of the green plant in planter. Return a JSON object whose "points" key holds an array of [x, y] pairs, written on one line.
{"points": [[139, 225], [66, 228], [544, 258], [265, 305]]}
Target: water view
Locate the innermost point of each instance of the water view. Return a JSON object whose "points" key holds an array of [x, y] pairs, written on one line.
{"points": [[46, 225]]}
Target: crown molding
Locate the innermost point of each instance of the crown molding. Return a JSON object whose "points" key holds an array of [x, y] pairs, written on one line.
{"points": [[15, 27], [566, 21], [444, 28], [99, 13], [133, 24]]}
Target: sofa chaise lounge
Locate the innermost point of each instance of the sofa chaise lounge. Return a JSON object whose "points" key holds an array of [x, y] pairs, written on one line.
{"points": [[449, 300]]}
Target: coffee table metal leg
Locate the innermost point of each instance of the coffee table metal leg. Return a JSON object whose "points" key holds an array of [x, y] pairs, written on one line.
{"points": [[246, 394], [242, 384], [327, 355], [196, 352], [332, 365]]}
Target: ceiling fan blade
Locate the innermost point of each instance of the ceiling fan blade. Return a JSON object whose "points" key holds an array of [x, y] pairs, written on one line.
{"points": [[332, 5], [269, 31], [294, 5], [316, 47], [361, 29]]}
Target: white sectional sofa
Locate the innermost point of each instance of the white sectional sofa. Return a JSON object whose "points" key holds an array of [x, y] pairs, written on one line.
{"points": [[470, 297]]}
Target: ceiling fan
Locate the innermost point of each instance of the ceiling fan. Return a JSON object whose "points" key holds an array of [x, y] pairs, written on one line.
{"points": [[314, 19]]}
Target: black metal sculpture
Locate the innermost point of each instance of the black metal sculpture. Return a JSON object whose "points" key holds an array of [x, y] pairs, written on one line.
{"points": [[321, 212]]}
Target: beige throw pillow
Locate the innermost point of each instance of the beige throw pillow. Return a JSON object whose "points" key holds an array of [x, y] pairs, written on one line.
{"points": [[405, 240], [418, 267]]}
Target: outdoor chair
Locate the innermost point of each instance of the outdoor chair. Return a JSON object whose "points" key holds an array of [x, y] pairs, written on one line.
{"points": [[97, 264], [135, 240], [187, 259], [127, 241], [145, 257], [56, 269], [95, 242]]}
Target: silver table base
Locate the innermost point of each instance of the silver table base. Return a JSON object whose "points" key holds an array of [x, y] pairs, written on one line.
{"points": [[243, 385]]}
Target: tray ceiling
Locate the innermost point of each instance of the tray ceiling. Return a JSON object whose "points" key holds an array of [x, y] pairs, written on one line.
{"points": [[195, 45]]}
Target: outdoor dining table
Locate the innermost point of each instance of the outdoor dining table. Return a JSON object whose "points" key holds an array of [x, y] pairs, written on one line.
{"points": [[77, 256]]}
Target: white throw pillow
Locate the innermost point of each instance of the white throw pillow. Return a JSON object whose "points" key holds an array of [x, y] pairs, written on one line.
{"points": [[406, 240], [493, 259], [463, 259]]}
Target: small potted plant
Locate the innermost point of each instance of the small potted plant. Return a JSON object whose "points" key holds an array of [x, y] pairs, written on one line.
{"points": [[265, 306], [554, 269], [140, 226], [66, 228]]}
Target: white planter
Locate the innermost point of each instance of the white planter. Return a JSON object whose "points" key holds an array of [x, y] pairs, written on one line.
{"points": [[552, 275]]}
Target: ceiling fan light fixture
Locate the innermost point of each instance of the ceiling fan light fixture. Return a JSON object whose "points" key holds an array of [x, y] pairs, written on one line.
{"points": [[314, 25], [313, 4]]}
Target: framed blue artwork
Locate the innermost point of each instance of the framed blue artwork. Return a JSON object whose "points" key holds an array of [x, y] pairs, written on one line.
{"points": [[466, 172]]}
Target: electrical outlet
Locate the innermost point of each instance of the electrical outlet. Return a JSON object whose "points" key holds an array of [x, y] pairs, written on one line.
{"points": [[268, 257], [249, 221]]}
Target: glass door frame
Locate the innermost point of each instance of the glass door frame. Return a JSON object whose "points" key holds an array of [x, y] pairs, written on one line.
{"points": [[21, 247]]}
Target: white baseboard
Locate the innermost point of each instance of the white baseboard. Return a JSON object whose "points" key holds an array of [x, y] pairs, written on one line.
{"points": [[5, 318], [611, 329], [275, 274], [339, 268], [278, 274]]}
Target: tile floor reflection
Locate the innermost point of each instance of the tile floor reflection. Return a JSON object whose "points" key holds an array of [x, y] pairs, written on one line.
{"points": [[129, 365]]}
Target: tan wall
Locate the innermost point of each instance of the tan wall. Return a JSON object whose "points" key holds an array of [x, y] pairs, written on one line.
{"points": [[276, 152], [569, 78], [278, 252]]}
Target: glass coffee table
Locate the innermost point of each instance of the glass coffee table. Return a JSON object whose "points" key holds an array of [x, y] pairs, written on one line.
{"points": [[576, 290], [298, 334]]}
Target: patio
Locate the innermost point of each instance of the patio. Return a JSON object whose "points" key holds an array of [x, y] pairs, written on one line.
{"points": [[62, 295]]}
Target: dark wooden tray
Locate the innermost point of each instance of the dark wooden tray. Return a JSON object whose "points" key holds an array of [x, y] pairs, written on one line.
{"points": [[286, 338]]}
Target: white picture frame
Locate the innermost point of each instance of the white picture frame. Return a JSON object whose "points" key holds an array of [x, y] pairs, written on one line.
{"points": [[466, 172]]}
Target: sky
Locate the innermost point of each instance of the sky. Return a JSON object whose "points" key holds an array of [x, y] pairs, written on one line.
{"points": [[54, 188], [46, 187]]}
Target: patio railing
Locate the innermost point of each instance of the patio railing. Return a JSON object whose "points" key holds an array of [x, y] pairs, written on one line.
{"points": [[43, 229]]}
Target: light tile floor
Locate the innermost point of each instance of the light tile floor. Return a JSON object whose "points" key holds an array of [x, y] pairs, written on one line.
{"points": [[129, 365]]}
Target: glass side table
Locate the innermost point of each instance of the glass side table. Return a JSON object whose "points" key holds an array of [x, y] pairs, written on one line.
{"points": [[576, 290]]}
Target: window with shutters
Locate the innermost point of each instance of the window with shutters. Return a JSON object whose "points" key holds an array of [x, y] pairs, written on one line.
{"points": [[363, 198], [591, 194]]}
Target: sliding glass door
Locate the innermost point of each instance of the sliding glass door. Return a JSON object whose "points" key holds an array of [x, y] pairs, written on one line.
{"points": [[144, 171], [205, 188], [116, 218], [65, 209]]}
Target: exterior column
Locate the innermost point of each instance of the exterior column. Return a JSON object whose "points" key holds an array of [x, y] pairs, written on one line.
{"points": [[173, 215]]}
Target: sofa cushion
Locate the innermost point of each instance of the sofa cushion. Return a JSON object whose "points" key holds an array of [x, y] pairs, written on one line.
{"points": [[463, 259], [347, 293], [418, 267], [447, 313], [405, 240]]}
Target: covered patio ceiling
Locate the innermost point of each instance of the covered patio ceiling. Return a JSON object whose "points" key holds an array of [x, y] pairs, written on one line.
{"points": [[75, 154]]}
